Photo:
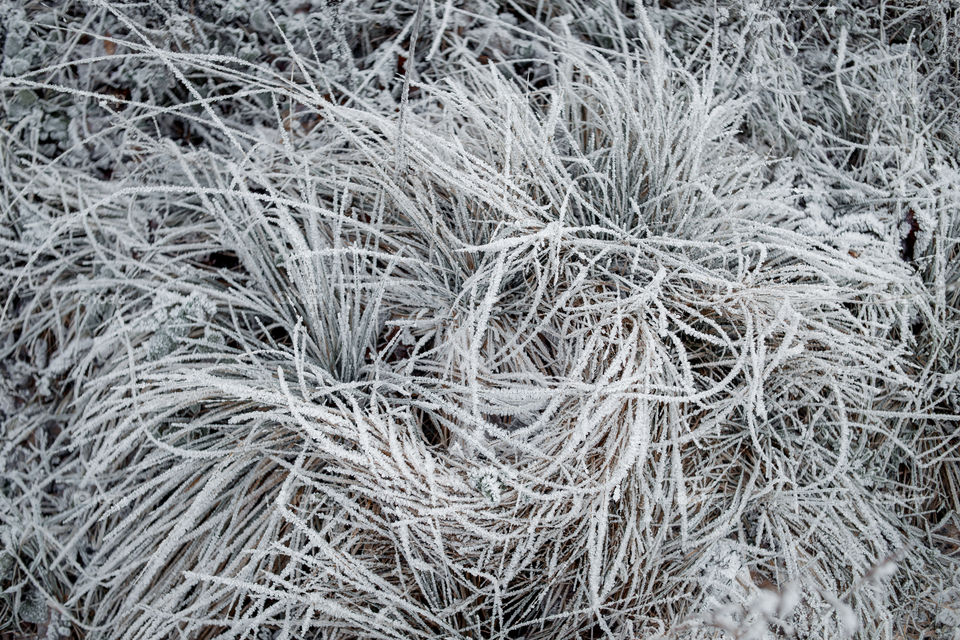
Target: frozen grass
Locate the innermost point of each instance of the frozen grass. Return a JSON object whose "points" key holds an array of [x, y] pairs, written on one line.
{"points": [[417, 320]]}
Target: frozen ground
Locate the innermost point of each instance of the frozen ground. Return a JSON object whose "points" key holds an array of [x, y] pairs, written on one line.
{"points": [[532, 319]]}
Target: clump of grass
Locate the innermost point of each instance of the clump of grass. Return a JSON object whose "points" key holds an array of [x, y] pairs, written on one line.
{"points": [[475, 321]]}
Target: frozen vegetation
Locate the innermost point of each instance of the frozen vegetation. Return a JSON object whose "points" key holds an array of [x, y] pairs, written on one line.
{"points": [[425, 319]]}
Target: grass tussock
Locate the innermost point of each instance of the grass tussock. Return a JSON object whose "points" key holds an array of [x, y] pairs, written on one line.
{"points": [[471, 320]]}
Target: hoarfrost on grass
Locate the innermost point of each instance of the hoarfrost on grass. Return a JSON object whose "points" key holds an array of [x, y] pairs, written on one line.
{"points": [[474, 319]]}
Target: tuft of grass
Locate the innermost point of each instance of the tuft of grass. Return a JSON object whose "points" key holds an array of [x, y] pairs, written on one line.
{"points": [[420, 319]]}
